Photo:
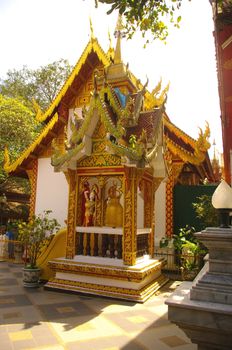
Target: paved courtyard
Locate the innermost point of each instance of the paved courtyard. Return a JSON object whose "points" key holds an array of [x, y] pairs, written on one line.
{"points": [[44, 320]]}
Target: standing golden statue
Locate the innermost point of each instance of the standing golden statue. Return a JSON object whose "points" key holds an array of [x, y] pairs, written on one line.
{"points": [[114, 210]]}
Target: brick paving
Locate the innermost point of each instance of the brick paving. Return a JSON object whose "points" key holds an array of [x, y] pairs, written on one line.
{"points": [[44, 320]]}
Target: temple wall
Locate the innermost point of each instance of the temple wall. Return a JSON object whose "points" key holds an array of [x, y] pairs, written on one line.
{"points": [[52, 191], [160, 213]]}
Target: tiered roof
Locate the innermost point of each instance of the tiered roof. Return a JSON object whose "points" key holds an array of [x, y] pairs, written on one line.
{"points": [[141, 116]]}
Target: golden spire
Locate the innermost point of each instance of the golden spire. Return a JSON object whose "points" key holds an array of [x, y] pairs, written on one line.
{"points": [[110, 51], [91, 29], [118, 33]]}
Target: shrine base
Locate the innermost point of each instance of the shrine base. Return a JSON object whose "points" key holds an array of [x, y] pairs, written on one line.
{"points": [[107, 277]]}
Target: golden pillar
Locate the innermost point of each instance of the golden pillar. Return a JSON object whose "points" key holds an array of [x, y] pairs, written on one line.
{"points": [[71, 225], [169, 205], [32, 175], [149, 213], [130, 216], [172, 179]]}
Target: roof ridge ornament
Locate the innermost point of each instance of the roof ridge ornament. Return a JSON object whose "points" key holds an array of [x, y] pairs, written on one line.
{"points": [[110, 51], [91, 29]]}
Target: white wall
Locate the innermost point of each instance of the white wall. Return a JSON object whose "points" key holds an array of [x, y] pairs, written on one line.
{"points": [[160, 213], [52, 191]]}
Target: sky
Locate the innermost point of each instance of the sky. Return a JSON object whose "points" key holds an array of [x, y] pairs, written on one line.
{"points": [[37, 32]]}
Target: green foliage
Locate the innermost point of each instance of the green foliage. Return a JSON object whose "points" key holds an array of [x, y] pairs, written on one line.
{"points": [[205, 211], [186, 234], [41, 84], [18, 128], [190, 253], [188, 248], [35, 233], [149, 16]]}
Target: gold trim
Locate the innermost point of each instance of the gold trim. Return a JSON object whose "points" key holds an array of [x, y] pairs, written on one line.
{"points": [[180, 133], [92, 45], [71, 227], [101, 271], [139, 295], [130, 216], [32, 175]]}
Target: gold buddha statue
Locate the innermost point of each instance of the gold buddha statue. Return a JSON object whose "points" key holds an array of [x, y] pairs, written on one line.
{"points": [[114, 210]]}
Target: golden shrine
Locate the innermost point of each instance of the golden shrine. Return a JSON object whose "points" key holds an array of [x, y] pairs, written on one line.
{"points": [[110, 158], [114, 143]]}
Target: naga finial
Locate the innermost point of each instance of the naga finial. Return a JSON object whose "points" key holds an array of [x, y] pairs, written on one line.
{"points": [[156, 90], [37, 109], [202, 143]]}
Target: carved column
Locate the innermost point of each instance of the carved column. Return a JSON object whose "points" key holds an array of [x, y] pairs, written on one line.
{"points": [[71, 225], [32, 175], [148, 203], [130, 217], [172, 179]]}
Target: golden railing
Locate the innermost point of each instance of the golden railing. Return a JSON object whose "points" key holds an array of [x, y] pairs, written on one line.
{"points": [[107, 242]]}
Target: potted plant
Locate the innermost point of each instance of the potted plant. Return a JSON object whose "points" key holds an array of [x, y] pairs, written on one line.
{"points": [[34, 235]]}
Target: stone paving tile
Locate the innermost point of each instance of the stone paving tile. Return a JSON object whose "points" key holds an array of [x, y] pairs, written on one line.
{"points": [[14, 300], [8, 281], [65, 310], [131, 321], [42, 340], [6, 345], [23, 344], [110, 306], [85, 328], [107, 343], [27, 315], [4, 270], [161, 338], [43, 297], [44, 320]]}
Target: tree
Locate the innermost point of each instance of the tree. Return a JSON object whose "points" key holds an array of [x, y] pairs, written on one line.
{"points": [[205, 211], [147, 15], [18, 128], [41, 84]]}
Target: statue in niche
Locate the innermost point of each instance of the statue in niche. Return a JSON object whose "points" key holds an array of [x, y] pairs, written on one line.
{"points": [[89, 203], [114, 210]]}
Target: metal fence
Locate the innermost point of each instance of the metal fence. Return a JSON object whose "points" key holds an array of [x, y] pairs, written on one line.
{"points": [[13, 251], [174, 267]]}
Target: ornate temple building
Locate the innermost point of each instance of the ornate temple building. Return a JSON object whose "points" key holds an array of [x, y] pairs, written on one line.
{"points": [[106, 163], [222, 14]]}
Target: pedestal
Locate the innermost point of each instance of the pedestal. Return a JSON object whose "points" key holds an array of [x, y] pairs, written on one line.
{"points": [[107, 277], [203, 309]]}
